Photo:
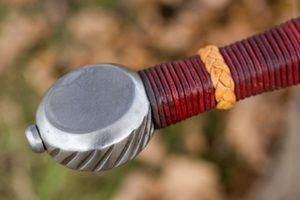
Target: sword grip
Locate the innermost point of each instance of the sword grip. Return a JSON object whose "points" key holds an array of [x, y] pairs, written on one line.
{"points": [[258, 64]]}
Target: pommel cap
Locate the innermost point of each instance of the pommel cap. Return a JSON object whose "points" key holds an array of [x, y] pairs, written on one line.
{"points": [[95, 118]]}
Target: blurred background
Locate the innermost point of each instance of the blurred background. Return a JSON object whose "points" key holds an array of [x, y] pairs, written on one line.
{"points": [[244, 153]]}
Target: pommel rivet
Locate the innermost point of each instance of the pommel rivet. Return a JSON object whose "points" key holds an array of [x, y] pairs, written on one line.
{"points": [[34, 139]]}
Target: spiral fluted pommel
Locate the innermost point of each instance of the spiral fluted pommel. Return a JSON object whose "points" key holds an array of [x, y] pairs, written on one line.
{"points": [[95, 118]]}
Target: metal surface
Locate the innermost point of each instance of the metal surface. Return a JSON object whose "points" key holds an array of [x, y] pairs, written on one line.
{"points": [[95, 118], [34, 139]]}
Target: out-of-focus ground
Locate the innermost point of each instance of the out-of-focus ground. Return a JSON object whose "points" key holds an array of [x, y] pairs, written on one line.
{"points": [[217, 155]]}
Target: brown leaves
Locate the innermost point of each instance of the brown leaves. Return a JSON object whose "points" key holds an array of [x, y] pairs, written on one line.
{"points": [[40, 70], [194, 140], [18, 34], [137, 185], [189, 179], [155, 152], [94, 27], [253, 125], [180, 179], [57, 36]]}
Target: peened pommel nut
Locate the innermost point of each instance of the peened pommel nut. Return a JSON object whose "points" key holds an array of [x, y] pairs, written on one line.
{"points": [[95, 118]]}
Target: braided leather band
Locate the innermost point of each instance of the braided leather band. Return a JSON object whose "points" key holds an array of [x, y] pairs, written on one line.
{"points": [[261, 63], [220, 76]]}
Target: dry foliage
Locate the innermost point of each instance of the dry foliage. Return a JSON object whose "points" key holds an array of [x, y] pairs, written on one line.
{"points": [[219, 155]]}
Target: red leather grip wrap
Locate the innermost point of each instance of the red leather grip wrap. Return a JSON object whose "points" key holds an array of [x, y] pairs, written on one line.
{"points": [[265, 62], [261, 63], [178, 90]]}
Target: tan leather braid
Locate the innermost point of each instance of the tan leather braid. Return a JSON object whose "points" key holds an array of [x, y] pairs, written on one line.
{"points": [[220, 76]]}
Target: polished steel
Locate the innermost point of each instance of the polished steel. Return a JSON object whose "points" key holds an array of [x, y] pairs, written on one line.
{"points": [[95, 118], [34, 139]]}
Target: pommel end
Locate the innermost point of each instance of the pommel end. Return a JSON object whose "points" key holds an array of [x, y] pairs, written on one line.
{"points": [[95, 118]]}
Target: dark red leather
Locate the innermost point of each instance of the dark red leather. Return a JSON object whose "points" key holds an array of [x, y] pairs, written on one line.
{"points": [[261, 63]]}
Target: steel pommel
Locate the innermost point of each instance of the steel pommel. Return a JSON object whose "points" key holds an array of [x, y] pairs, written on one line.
{"points": [[95, 118]]}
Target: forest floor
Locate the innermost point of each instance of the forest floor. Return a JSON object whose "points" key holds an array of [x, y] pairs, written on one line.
{"points": [[217, 155]]}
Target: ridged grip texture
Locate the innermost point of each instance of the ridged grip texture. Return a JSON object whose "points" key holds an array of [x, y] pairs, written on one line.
{"points": [[178, 90], [261, 63], [265, 62]]}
